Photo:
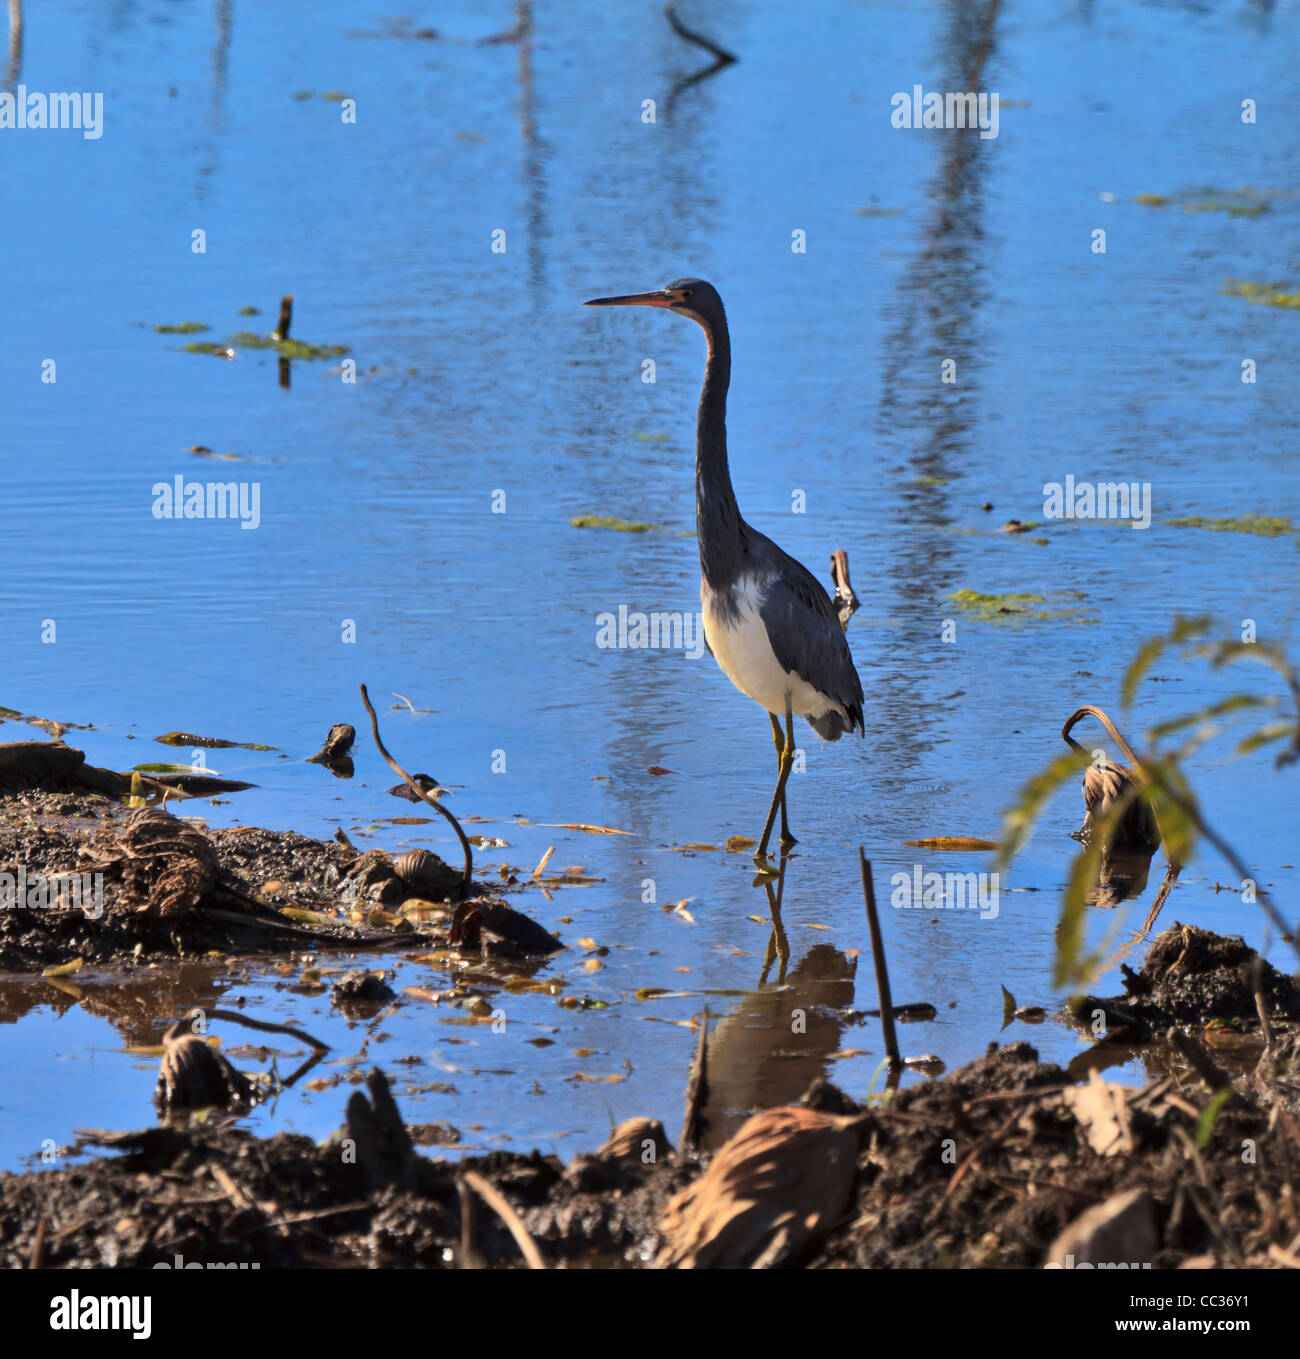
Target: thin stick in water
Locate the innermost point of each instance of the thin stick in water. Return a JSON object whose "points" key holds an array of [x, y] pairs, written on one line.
{"points": [[469, 1257], [878, 957], [265, 1026]]}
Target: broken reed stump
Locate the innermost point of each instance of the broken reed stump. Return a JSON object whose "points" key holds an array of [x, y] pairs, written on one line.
{"points": [[846, 602], [338, 743], [694, 1123], [878, 958], [1199, 1060], [281, 331], [500, 1205], [384, 1150]]}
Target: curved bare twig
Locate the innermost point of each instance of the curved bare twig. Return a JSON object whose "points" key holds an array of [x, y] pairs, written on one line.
{"points": [[420, 793]]}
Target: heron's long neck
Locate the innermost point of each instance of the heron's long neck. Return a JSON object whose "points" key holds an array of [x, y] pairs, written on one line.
{"points": [[717, 517]]}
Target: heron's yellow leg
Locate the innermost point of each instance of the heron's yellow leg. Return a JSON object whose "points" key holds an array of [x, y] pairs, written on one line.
{"points": [[787, 840], [787, 763]]}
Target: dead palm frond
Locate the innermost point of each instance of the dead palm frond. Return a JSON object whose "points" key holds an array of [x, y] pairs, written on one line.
{"points": [[1108, 786], [769, 1195]]}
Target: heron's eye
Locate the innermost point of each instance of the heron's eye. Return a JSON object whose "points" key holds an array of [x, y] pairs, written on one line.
{"points": [[686, 292]]}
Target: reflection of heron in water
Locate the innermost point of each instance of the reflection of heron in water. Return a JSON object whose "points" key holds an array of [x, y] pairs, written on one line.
{"points": [[778, 1040]]}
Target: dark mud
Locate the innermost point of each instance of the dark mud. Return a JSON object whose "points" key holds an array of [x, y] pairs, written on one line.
{"points": [[82, 877], [1007, 1162], [985, 1168], [1192, 976]]}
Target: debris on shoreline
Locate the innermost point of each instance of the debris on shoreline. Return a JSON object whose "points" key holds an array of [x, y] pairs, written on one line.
{"points": [[1003, 1163], [151, 886], [1006, 1162], [54, 765], [1193, 976], [194, 1075], [335, 754]]}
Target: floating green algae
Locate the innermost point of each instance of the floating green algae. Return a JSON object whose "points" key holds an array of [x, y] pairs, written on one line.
{"points": [[185, 328], [1232, 202], [287, 349], [1262, 294], [1261, 525], [605, 521], [1224, 205], [1015, 606]]}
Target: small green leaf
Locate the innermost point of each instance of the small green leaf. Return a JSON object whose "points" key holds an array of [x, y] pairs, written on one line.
{"points": [[1205, 1124]]}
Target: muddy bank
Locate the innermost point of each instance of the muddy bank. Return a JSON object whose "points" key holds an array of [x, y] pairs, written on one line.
{"points": [[84, 877], [1006, 1162], [1192, 976], [1000, 1164]]}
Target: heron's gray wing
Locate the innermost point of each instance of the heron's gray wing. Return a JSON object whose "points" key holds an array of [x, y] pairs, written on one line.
{"points": [[804, 629]]}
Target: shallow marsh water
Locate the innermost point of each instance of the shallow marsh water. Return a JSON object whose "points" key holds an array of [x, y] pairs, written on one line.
{"points": [[479, 373]]}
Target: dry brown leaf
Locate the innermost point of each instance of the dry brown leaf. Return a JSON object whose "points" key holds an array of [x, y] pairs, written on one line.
{"points": [[1101, 1110]]}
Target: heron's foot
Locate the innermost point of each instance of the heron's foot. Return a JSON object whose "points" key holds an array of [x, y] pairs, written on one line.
{"points": [[788, 841]]}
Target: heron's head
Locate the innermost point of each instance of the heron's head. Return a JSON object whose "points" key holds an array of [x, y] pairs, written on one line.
{"points": [[691, 297]]}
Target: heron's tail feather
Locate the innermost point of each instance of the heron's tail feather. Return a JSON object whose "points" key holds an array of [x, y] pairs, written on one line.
{"points": [[830, 726]]}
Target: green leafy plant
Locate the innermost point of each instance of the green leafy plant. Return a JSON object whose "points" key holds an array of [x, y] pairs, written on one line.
{"points": [[1161, 779]]}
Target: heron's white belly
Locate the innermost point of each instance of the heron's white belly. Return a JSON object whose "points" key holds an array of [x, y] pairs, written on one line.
{"points": [[745, 655]]}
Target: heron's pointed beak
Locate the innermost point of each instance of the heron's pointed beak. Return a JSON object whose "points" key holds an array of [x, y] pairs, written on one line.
{"points": [[658, 298]]}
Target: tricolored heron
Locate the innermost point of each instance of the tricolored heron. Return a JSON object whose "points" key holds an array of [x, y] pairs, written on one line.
{"points": [[768, 622]]}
